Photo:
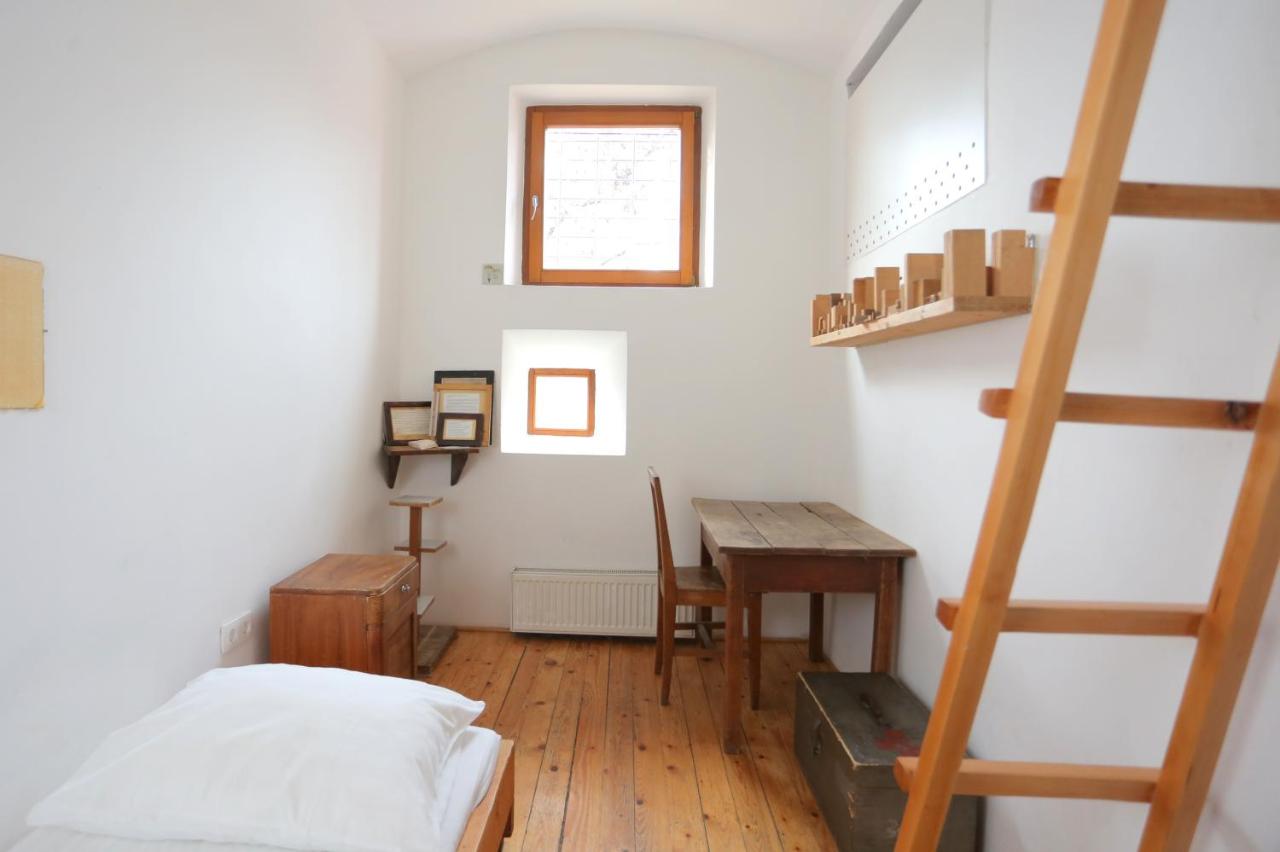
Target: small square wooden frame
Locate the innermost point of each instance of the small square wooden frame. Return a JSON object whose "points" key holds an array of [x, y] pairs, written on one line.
{"points": [[477, 430], [541, 372]]}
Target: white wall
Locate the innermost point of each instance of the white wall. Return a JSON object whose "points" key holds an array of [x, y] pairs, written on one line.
{"points": [[1180, 308], [725, 398], [211, 189]]}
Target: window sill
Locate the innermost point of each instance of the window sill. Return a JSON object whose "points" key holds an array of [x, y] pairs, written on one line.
{"points": [[612, 285]]}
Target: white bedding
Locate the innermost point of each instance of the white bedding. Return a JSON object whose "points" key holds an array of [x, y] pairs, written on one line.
{"points": [[322, 760], [467, 774]]}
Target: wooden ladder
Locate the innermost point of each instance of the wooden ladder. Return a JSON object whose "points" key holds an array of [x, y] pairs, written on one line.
{"points": [[1085, 198]]}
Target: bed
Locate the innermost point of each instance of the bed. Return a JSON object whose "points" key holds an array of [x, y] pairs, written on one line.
{"points": [[265, 758]]}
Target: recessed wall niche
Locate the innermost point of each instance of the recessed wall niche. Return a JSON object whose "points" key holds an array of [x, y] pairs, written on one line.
{"points": [[583, 377]]}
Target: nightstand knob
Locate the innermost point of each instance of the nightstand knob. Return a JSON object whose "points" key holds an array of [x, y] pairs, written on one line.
{"points": [[405, 588]]}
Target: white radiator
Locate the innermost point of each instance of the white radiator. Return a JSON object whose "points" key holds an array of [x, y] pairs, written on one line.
{"points": [[595, 603]]}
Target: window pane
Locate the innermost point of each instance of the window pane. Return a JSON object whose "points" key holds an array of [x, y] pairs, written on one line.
{"points": [[611, 198]]}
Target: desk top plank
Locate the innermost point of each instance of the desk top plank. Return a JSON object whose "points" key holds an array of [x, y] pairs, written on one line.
{"points": [[782, 535], [731, 531], [829, 538], [879, 543]]}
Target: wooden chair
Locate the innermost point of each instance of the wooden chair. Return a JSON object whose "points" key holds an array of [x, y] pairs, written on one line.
{"points": [[702, 587]]}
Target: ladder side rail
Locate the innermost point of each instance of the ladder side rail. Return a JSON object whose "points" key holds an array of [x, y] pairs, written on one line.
{"points": [[1240, 593], [1126, 39]]}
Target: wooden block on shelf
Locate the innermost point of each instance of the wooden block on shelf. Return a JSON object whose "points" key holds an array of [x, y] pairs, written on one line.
{"points": [[923, 290], [964, 263], [920, 266], [886, 277], [22, 351], [821, 304], [864, 297], [1013, 264], [863, 290], [888, 301]]}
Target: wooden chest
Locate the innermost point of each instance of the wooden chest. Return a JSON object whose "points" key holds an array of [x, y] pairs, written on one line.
{"points": [[350, 612], [850, 728]]}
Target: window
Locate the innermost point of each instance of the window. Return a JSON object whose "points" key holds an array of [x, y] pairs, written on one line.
{"points": [[562, 402], [612, 195]]}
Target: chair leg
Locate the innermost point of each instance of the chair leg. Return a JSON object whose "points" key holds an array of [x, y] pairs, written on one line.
{"points": [[668, 649], [754, 619], [657, 644]]}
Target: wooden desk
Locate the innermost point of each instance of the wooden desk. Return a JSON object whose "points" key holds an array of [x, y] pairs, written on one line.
{"points": [[797, 547]]}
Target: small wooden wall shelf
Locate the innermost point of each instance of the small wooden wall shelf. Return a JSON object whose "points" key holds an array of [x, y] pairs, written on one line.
{"points": [[926, 319], [457, 460]]}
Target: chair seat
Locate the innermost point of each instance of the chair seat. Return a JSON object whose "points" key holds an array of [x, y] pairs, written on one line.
{"points": [[699, 578]]}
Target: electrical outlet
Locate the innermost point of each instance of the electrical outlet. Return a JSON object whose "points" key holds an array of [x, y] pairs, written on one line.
{"points": [[236, 631], [491, 273]]}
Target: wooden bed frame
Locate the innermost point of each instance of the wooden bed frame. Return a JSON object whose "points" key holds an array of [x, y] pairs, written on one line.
{"points": [[494, 818]]}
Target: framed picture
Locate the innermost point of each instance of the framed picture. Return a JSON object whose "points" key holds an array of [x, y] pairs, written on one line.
{"points": [[562, 402], [459, 430], [460, 398], [464, 377], [403, 422]]}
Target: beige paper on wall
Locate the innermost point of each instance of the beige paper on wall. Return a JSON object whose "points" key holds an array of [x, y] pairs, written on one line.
{"points": [[21, 333]]}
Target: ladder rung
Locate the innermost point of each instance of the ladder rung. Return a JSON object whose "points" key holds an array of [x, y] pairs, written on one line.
{"points": [[1046, 780], [429, 545], [1137, 410], [1177, 201], [1092, 617]]}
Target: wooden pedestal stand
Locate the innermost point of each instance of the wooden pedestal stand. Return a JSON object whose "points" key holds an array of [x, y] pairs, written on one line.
{"points": [[430, 639]]}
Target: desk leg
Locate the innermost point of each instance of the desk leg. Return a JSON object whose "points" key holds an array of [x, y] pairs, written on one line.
{"points": [[888, 594], [704, 612], [735, 600], [755, 618], [816, 612]]}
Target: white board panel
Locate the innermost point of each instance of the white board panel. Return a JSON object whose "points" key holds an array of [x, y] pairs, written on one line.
{"points": [[916, 125]]}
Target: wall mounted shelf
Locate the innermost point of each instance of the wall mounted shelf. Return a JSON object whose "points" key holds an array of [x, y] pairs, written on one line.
{"points": [[926, 319], [392, 455]]}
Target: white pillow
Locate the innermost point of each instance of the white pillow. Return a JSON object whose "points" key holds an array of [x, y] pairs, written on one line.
{"points": [[288, 756]]}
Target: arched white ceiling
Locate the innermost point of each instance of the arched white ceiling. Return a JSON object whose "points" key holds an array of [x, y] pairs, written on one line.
{"points": [[420, 33]]}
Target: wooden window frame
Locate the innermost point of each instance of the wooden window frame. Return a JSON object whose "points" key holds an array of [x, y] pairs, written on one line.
{"points": [[687, 118], [590, 375]]}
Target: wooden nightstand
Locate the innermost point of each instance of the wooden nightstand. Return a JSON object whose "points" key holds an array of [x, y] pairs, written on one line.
{"points": [[348, 611]]}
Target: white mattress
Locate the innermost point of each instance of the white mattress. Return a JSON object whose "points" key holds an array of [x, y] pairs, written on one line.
{"points": [[468, 771]]}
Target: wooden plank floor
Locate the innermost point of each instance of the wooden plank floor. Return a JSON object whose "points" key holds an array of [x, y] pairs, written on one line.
{"points": [[601, 765]]}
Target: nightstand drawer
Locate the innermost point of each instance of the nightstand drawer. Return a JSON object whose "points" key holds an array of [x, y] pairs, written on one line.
{"points": [[403, 591]]}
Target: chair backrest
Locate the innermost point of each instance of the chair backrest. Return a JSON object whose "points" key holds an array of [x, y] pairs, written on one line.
{"points": [[666, 567]]}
